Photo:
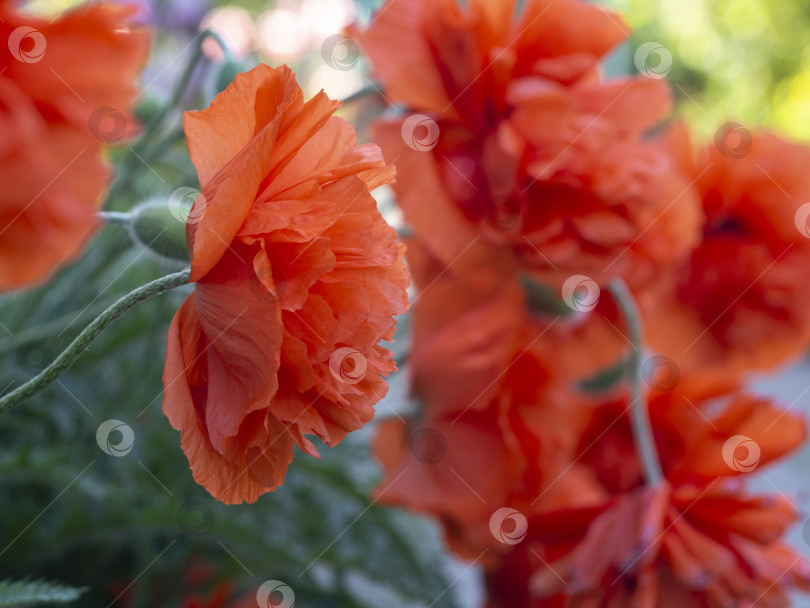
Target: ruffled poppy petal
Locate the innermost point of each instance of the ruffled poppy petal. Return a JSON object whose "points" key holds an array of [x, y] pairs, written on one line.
{"points": [[436, 467], [403, 60], [226, 196], [221, 132], [241, 320], [774, 431], [550, 29], [183, 376], [442, 228]]}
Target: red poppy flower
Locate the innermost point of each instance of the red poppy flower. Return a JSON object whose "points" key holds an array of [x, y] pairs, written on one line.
{"points": [[511, 131], [464, 330], [741, 301], [496, 422], [697, 540], [66, 88], [472, 317], [297, 278], [690, 547], [460, 466]]}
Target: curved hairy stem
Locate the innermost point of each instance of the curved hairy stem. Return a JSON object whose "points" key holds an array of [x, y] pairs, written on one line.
{"points": [[75, 349]]}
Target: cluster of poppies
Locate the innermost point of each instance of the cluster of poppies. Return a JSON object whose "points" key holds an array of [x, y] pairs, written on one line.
{"points": [[545, 200], [593, 289]]}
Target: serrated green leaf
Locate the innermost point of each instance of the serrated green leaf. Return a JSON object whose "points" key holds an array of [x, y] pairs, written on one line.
{"points": [[14, 594]]}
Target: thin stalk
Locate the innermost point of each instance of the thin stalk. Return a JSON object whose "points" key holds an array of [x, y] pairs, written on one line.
{"points": [[83, 340], [639, 414], [116, 217], [180, 88], [139, 148]]}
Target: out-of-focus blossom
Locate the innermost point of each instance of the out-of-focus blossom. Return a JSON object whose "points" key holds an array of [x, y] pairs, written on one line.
{"points": [[697, 540], [66, 87], [510, 129], [497, 420], [741, 301]]}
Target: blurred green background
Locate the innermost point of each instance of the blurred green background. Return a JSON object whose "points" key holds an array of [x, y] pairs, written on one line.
{"points": [[742, 60]]}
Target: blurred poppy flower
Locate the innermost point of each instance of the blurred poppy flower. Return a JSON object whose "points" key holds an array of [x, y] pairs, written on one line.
{"points": [[471, 318], [511, 130], [741, 301], [466, 323], [496, 420], [696, 540], [464, 332], [708, 547], [297, 278], [461, 465], [66, 87], [691, 425]]}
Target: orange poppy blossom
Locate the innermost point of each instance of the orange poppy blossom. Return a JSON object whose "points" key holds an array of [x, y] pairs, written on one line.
{"points": [[583, 343], [464, 329], [699, 539], [487, 289], [496, 420], [510, 129], [59, 81], [297, 279], [461, 465], [740, 302]]}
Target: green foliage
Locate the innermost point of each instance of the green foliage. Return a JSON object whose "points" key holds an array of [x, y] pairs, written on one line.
{"points": [[743, 60]]}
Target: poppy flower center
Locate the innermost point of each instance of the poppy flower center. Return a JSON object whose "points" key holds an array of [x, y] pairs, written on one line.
{"points": [[725, 226]]}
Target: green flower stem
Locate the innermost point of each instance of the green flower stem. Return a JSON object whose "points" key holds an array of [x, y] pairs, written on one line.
{"points": [[639, 414], [90, 333], [115, 217], [180, 88], [155, 148], [140, 148]]}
